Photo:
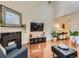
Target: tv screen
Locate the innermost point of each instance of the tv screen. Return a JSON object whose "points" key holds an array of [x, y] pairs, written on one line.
{"points": [[37, 26]]}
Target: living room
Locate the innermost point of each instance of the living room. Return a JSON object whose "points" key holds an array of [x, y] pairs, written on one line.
{"points": [[38, 20]]}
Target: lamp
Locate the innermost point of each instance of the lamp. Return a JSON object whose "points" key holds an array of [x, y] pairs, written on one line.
{"points": [[57, 25]]}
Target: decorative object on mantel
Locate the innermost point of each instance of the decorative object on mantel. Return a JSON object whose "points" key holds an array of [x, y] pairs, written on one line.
{"points": [[24, 27], [43, 33]]}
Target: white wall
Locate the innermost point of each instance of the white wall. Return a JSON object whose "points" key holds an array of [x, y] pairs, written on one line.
{"points": [[74, 20], [65, 7], [32, 11]]}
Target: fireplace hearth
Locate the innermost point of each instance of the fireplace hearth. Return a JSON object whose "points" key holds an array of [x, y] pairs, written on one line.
{"points": [[6, 38]]}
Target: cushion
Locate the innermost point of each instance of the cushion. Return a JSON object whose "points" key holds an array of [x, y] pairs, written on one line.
{"points": [[77, 40], [10, 48], [2, 55], [3, 49]]}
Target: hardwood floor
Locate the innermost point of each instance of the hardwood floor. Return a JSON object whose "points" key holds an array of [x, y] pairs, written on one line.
{"points": [[43, 50]]}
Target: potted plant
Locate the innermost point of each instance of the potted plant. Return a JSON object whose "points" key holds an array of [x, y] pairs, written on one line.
{"points": [[75, 33], [54, 35]]}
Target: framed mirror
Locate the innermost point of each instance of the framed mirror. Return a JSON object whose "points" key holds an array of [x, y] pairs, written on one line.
{"points": [[11, 18]]}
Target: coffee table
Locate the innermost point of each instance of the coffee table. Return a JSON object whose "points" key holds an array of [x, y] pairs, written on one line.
{"points": [[61, 53]]}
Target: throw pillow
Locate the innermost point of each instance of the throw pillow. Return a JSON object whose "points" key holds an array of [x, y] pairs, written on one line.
{"points": [[3, 49]]}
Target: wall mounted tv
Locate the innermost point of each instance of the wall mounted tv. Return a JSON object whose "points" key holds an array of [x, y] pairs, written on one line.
{"points": [[37, 26], [10, 17]]}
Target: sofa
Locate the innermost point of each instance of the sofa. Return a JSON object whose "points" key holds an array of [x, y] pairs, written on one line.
{"points": [[75, 39], [14, 52]]}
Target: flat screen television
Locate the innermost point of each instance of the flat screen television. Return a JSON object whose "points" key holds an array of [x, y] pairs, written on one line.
{"points": [[11, 17], [37, 26]]}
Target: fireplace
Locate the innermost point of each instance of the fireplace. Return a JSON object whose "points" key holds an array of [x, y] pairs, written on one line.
{"points": [[6, 38]]}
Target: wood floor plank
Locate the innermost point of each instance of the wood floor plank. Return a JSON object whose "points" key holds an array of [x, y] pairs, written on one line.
{"points": [[43, 50]]}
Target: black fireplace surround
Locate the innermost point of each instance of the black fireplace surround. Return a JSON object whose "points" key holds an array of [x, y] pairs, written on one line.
{"points": [[5, 38]]}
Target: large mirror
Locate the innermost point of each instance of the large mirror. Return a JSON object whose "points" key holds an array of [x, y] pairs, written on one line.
{"points": [[11, 18]]}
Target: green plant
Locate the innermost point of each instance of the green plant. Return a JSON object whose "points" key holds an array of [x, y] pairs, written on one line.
{"points": [[1, 23], [75, 33], [54, 34]]}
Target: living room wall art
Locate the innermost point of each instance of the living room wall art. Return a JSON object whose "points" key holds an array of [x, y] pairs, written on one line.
{"points": [[63, 26]]}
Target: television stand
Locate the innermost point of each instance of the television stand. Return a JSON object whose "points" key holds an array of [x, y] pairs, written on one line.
{"points": [[37, 40]]}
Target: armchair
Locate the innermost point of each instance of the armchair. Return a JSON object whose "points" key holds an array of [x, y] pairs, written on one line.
{"points": [[14, 52]]}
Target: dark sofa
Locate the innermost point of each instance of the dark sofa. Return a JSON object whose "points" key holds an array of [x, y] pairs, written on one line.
{"points": [[14, 52]]}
